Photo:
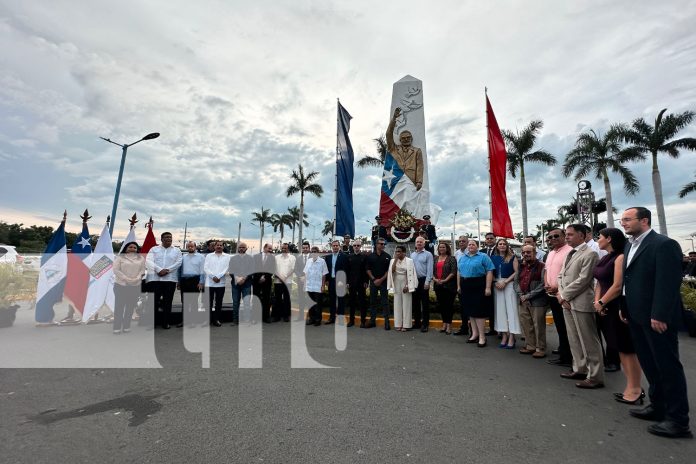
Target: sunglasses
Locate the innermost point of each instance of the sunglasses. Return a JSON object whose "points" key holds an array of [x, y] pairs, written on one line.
{"points": [[555, 236]]}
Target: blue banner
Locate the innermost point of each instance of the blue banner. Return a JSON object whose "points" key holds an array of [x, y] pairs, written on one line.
{"points": [[345, 220]]}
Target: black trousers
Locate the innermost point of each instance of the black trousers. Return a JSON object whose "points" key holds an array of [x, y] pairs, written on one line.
{"points": [[421, 305], [445, 302], [215, 295], [559, 322], [658, 355], [263, 292], [337, 304], [357, 299], [126, 299], [314, 313], [281, 302], [489, 304], [164, 295]]}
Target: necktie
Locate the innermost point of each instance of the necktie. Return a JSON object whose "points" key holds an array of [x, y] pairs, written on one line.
{"points": [[572, 252]]}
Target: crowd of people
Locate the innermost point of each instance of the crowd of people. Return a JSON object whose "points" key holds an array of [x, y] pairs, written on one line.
{"points": [[626, 294]]}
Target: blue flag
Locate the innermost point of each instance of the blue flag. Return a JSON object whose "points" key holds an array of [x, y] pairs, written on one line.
{"points": [[54, 269], [345, 220]]}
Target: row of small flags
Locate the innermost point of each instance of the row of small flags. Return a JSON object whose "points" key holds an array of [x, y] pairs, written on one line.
{"points": [[84, 277]]}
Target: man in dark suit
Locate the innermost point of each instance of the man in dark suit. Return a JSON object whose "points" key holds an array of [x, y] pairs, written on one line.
{"points": [[337, 263], [652, 279], [264, 269], [357, 284]]}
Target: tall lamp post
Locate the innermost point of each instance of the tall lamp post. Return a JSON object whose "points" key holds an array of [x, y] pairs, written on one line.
{"points": [[454, 228], [124, 149], [478, 223]]}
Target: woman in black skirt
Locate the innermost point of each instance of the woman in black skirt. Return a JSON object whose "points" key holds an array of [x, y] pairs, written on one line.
{"points": [[474, 281], [445, 284], [608, 304]]}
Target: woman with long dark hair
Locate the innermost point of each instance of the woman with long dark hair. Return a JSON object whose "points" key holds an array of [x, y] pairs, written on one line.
{"points": [[129, 269], [612, 322], [445, 284]]}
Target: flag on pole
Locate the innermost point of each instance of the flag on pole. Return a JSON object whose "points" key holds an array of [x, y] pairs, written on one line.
{"points": [[149, 239], [129, 238], [78, 270], [54, 269], [345, 219], [101, 286], [497, 165]]}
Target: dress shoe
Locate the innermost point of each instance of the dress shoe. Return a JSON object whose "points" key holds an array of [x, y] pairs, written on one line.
{"points": [[574, 375], [460, 332], [611, 368], [556, 351], [526, 350], [647, 413], [670, 429], [275, 319], [621, 399], [424, 329], [472, 340], [539, 355], [317, 324], [589, 384], [370, 325], [217, 323], [559, 362], [166, 326], [180, 325], [350, 324], [330, 321], [482, 345]]}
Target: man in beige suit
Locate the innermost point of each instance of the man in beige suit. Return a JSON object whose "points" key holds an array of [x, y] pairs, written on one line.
{"points": [[576, 296]]}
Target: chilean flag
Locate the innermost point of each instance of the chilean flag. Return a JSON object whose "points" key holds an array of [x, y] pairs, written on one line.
{"points": [[398, 191], [78, 271]]}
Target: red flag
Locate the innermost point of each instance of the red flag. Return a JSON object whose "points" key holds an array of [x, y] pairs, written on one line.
{"points": [[497, 164], [149, 239]]}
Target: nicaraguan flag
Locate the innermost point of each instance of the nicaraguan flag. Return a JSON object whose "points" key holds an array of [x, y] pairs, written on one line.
{"points": [[54, 268], [345, 219], [101, 285], [78, 270]]}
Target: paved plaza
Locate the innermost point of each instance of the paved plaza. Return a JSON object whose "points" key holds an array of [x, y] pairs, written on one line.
{"points": [[392, 397]]}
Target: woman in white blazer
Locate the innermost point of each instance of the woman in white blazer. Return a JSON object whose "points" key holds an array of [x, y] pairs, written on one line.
{"points": [[402, 282]]}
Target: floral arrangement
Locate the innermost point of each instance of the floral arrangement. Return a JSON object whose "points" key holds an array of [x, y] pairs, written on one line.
{"points": [[403, 221]]}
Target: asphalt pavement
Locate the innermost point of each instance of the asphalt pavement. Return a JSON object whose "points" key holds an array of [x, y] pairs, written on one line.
{"points": [[388, 397]]}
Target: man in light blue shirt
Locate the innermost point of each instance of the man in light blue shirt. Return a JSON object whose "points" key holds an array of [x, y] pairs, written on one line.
{"points": [[423, 261], [191, 280]]}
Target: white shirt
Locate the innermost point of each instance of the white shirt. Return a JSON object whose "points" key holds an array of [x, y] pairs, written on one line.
{"points": [[159, 258], [635, 243], [458, 254], [285, 267], [594, 246], [216, 265], [314, 270]]}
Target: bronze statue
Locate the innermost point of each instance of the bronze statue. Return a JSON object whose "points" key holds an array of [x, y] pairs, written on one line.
{"points": [[410, 158]]}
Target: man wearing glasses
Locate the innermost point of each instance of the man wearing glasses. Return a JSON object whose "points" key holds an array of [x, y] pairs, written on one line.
{"points": [[652, 280], [554, 263], [357, 285], [377, 268]]}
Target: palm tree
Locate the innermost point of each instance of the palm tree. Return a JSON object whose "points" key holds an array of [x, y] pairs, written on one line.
{"points": [[596, 154], [375, 161], [687, 189], [303, 184], [328, 228], [563, 217], [519, 151], [655, 139], [262, 217], [294, 213], [279, 221]]}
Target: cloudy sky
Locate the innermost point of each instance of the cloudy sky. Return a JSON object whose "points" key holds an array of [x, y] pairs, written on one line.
{"points": [[243, 91]]}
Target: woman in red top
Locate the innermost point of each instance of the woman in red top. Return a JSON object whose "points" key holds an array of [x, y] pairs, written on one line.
{"points": [[445, 284]]}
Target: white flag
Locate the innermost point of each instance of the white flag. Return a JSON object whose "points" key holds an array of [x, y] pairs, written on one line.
{"points": [[101, 272], [129, 238]]}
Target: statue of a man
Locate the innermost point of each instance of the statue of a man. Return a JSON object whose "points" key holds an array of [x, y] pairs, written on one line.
{"points": [[410, 158]]}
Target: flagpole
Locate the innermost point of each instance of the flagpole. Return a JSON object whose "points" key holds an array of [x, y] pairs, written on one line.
{"points": [[239, 233], [185, 230], [490, 189], [338, 115]]}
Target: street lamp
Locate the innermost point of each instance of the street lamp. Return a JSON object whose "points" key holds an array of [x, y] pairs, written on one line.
{"points": [[454, 227], [124, 149], [478, 221]]}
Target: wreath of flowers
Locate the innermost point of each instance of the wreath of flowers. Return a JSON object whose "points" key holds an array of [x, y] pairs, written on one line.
{"points": [[403, 222]]}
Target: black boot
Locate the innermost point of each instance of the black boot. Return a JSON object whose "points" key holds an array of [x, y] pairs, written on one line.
{"points": [[386, 324]]}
